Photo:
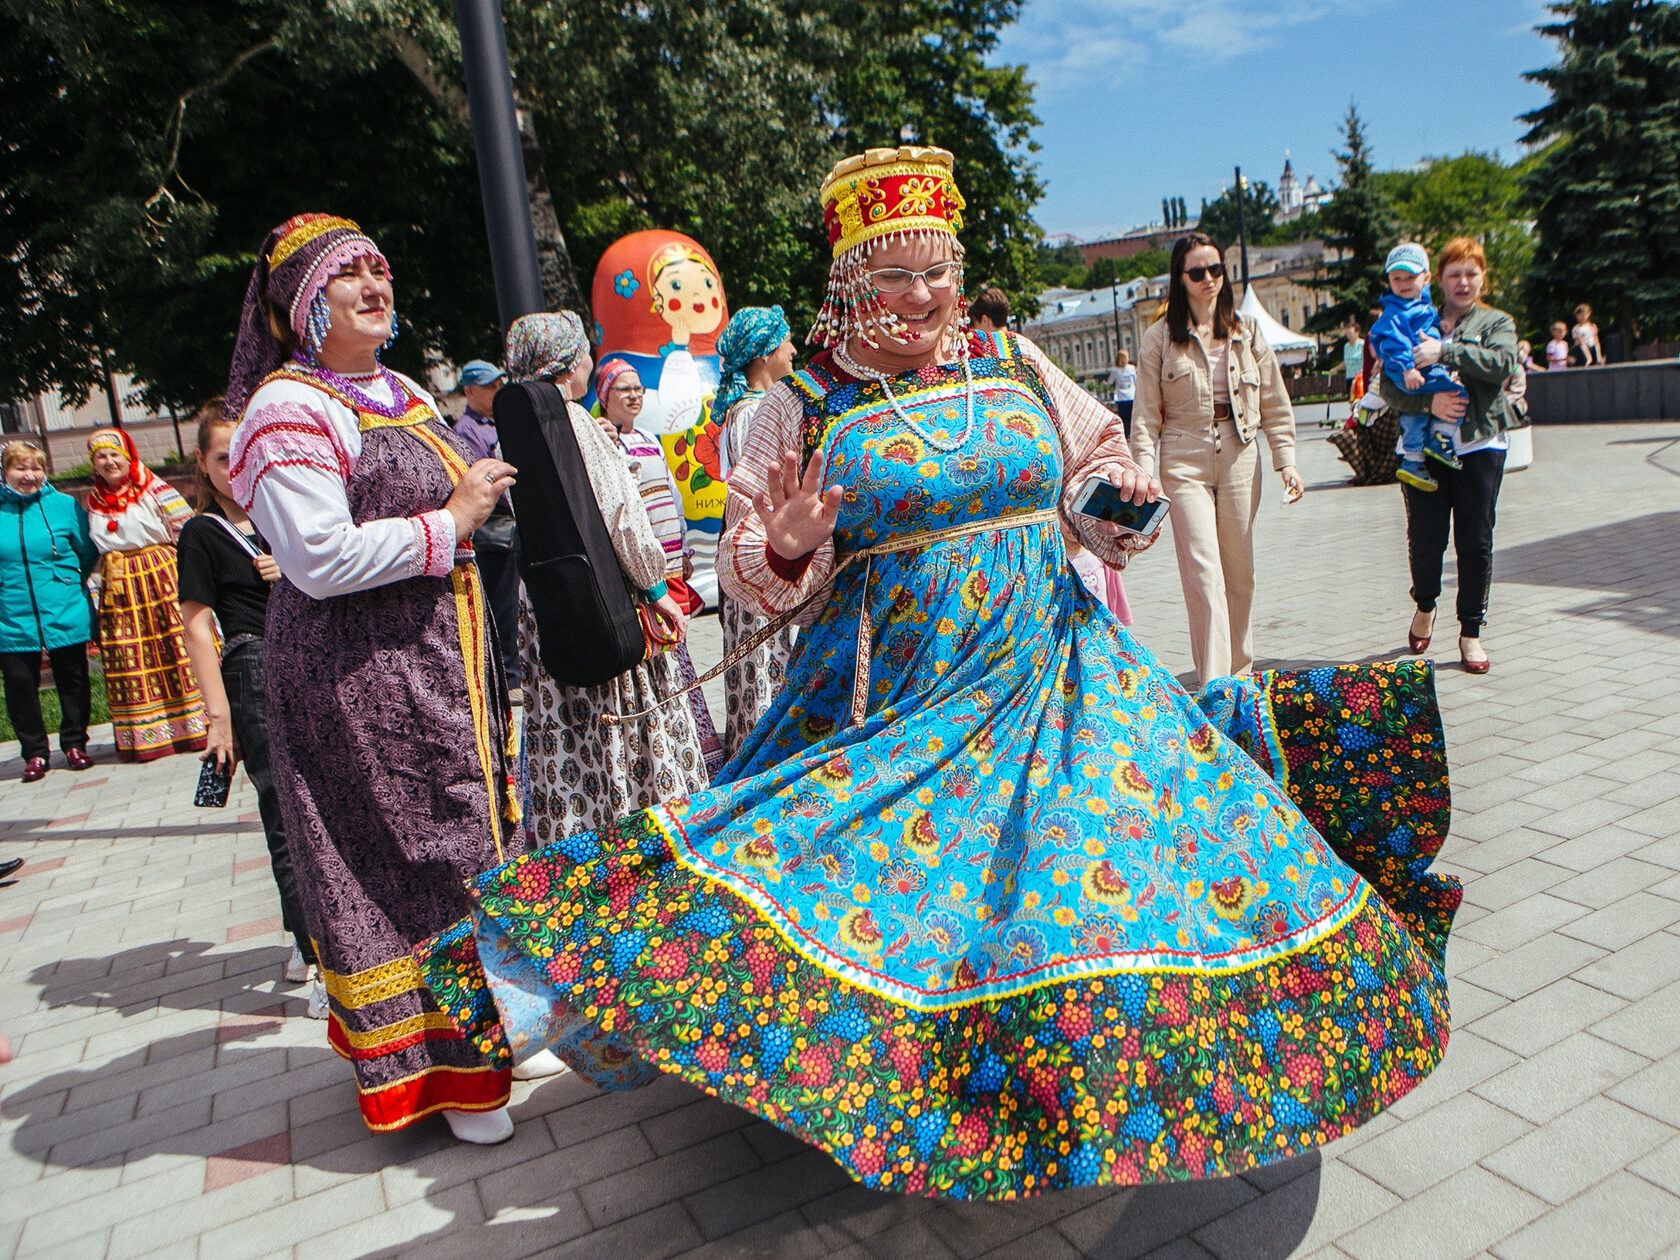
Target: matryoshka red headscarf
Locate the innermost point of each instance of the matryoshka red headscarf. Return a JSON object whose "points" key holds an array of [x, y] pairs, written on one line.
{"points": [[113, 503]]}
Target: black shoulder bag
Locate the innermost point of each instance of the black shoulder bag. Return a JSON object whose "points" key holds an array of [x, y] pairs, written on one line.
{"points": [[588, 630]]}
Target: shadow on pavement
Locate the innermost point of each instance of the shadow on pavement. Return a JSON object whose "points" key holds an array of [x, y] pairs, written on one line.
{"points": [[1632, 561], [600, 1171], [29, 830]]}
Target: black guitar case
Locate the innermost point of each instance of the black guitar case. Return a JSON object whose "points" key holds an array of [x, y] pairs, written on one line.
{"points": [[587, 627]]}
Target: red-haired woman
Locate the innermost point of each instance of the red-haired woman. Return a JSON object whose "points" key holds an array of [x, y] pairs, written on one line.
{"points": [[1207, 385], [135, 518], [1480, 345]]}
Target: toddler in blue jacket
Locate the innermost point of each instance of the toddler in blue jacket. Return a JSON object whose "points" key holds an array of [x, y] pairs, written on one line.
{"points": [[1407, 318]]}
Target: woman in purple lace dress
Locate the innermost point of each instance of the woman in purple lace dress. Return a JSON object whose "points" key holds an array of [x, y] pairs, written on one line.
{"points": [[387, 708]]}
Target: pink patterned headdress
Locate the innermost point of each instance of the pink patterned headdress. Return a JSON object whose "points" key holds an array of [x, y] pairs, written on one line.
{"points": [[296, 261]]}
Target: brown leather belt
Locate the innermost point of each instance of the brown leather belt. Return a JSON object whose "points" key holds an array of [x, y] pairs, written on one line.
{"points": [[1221, 411]]}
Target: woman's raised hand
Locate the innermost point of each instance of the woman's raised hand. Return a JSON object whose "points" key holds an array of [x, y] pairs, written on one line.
{"points": [[476, 494], [798, 514]]}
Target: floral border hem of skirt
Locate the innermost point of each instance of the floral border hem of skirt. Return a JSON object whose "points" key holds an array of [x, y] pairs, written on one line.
{"points": [[621, 952]]}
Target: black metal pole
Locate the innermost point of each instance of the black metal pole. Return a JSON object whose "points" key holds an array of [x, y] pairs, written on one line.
{"points": [[1242, 230], [501, 166], [1114, 303], [113, 401]]}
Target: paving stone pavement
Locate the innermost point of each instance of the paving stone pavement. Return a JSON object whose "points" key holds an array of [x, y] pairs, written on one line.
{"points": [[169, 1099]]}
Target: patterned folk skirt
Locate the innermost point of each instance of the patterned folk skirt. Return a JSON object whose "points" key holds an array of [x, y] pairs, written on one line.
{"points": [[1368, 449], [155, 707], [586, 774], [750, 687]]}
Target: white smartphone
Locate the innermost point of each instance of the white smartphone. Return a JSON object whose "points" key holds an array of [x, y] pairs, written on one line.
{"points": [[1100, 499]]}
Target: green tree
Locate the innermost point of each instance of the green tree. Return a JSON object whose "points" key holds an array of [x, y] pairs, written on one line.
{"points": [[159, 144], [150, 145], [1057, 266], [1474, 195], [1605, 191], [1359, 226], [1219, 216]]}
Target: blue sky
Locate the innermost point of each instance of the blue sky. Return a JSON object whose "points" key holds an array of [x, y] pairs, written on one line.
{"points": [[1142, 99]]}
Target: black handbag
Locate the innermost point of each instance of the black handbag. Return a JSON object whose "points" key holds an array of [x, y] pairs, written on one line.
{"points": [[588, 630]]}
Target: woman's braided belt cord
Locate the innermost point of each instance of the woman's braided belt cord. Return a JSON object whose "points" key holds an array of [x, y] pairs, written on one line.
{"points": [[866, 625]]}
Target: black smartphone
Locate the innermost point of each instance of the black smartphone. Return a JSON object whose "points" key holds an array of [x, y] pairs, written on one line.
{"points": [[1100, 499], [214, 784]]}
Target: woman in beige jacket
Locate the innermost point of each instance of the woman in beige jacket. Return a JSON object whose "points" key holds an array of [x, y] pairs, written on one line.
{"points": [[1207, 384]]}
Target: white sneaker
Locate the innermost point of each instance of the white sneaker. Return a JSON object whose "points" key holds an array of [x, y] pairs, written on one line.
{"points": [[317, 1001], [541, 1064], [297, 971], [481, 1128]]}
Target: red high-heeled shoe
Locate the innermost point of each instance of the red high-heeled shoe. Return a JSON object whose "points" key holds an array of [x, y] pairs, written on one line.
{"points": [[1419, 643], [1472, 667]]}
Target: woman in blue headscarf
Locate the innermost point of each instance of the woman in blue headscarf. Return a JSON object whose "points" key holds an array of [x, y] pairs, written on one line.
{"points": [[755, 351]]}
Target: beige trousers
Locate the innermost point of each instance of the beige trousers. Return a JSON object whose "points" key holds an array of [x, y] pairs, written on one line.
{"points": [[1213, 480]]}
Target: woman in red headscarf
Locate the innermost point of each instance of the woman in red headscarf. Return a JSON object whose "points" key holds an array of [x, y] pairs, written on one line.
{"points": [[135, 518]]}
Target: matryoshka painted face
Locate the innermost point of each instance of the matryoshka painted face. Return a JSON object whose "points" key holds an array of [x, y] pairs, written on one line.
{"points": [[687, 295]]}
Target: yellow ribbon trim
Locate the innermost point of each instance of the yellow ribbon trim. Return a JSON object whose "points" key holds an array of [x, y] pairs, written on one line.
{"points": [[376, 984], [470, 627], [372, 1039], [300, 236]]}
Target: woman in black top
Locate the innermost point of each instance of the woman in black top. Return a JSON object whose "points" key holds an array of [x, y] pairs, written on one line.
{"points": [[225, 574]]}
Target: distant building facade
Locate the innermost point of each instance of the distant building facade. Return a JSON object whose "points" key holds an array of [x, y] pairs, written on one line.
{"points": [[1150, 236], [1286, 278], [1083, 329], [1296, 198]]}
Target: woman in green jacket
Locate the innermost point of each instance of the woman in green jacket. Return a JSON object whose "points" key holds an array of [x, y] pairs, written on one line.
{"points": [[1479, 344], [45, 557]]}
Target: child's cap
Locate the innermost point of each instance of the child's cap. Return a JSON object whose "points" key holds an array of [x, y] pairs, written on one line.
{"points": [[1407, 257]]}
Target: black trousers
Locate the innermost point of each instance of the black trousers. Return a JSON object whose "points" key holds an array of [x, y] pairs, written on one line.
{"points": [[1462, 508], [22, 672], [242, 675], [1123, 408]]}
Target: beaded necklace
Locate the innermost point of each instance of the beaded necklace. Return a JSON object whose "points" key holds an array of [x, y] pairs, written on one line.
{"points": [[396, 409], [867, 373]]}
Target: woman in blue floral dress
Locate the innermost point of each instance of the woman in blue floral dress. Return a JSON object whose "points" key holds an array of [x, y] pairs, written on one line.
{"points": [[1005, 910]]}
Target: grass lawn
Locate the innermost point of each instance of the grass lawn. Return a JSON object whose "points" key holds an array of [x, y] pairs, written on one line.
{"points": [[53, 715]]}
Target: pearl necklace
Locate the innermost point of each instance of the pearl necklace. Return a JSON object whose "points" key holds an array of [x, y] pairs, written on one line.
{"points": [[880, 378]]}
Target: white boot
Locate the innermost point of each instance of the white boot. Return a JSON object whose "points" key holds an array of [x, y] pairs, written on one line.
{"points": [[542, 1063], [317, 1001], [481, 1128]]}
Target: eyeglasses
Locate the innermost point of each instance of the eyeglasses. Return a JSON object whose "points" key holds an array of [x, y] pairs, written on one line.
{"points": [[628, 391], [1197, 274], [898, 280]]}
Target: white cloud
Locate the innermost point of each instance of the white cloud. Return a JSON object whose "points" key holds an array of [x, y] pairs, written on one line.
{"points": [[1070, 44]]}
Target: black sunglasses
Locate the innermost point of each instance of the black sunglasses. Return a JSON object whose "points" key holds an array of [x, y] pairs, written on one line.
{"points": [[1198, 274]]}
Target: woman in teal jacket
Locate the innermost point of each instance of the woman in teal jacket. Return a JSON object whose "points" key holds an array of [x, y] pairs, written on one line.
{"points": [[45, 557]]}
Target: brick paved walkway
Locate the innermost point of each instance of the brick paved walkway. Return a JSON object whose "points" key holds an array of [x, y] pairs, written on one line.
{"points": [[168, 1097]]}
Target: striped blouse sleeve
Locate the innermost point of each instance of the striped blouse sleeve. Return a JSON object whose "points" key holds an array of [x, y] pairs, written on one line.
{"points": [[747, 569], [1093, 445], [290, 464]]}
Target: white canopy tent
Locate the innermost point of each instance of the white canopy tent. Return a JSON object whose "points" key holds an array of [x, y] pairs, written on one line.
{"points": [[1290, 347]]}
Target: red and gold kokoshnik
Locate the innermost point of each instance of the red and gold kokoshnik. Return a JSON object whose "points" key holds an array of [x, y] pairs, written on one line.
{"points": [[882, 191]]}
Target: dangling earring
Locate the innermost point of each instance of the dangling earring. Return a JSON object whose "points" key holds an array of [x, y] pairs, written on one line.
{"points": [[391, 340], [316, 327]]}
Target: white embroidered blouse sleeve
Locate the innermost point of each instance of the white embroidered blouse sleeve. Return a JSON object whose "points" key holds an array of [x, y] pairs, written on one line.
{"points": [[743, 559], [291, 459], [1093, 445], [620, 498]]}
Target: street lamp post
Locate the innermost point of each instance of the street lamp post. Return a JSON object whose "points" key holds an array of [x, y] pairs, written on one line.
{"points": [[501, 165], [1242, 230], [1114, 306]]}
